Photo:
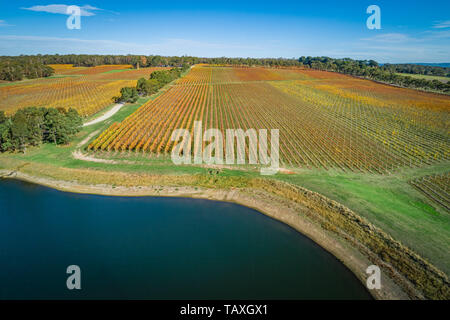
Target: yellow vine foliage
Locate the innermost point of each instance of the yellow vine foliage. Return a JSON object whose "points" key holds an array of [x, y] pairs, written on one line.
{"points": [[325, 120], [88, 90]]}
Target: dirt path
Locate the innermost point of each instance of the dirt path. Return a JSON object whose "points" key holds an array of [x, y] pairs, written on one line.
{"points": [[107, 115], [77, 154], [86, 140]]}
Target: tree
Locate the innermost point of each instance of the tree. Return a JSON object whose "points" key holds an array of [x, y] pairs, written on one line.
{"points": [[143, 60], [17, 68], [128, 94], [75, 121], [56, 127], [147, 87], [5, 133], [34, 119], [151, 86], [140, 85], [19, 131], [2, 116]]}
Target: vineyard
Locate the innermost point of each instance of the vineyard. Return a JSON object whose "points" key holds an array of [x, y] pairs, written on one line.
{"points": [[210, 75], [436, 188], [126, 74], [88, 90], [65, 69], [326, 120]]}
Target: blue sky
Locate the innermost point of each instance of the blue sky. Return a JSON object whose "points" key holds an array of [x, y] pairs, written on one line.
{"points": [[411, 31]]}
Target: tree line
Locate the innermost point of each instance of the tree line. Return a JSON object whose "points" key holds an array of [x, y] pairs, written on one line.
{"points": [[417, 69], [84, 60], [147, 87], [370, 69], [33, 126], [21, 68]]}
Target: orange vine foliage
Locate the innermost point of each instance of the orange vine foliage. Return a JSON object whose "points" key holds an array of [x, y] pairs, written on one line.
{"points": [[88, 90], [325, 120]]}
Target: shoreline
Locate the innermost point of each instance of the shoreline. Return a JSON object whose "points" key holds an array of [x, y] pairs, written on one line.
{"points": [[272, 207]]}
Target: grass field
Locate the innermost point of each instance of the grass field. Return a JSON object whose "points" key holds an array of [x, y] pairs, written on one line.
{"points": [[88, 90], [435, 187], [426, 77]]}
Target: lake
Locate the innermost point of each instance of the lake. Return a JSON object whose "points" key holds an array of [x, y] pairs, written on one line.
{"points": [[157, 248]]}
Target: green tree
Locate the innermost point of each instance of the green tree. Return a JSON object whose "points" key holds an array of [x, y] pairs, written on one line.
{"points": [[151, 86], [128, 94], [19, 131], [57, 128], [147, 87], [2, 116], [5, 133], [35, 121], [75, 121]]}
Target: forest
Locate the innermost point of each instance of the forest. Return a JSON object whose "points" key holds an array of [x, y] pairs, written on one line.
{"points": [[418, 69], [18, 68], [370, 69], [33, 126]]}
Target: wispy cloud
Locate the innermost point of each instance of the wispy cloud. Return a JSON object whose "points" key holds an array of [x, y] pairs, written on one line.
{"points": [[441, 34], [389, 38], [393, 53], [4, 24], [170, 41], [170, 46], [442, 25], [400, 38], [403, 48], [40, 38], [86, 10]]}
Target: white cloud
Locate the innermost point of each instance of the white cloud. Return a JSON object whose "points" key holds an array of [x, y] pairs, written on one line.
{"points": [[167, 42], [39, 38], [442, 25], [390, 38], [42, 44], [425, 36], [4, 24], [425, 46], [388, 53], [437, 34], [86, 10]]}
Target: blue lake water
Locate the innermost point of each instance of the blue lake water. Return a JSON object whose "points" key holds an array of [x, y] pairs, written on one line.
{"points": [[156, 248]]}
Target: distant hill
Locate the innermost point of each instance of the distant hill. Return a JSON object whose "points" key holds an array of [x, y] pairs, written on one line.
{"points": [[443, 65], [427, 69]]}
